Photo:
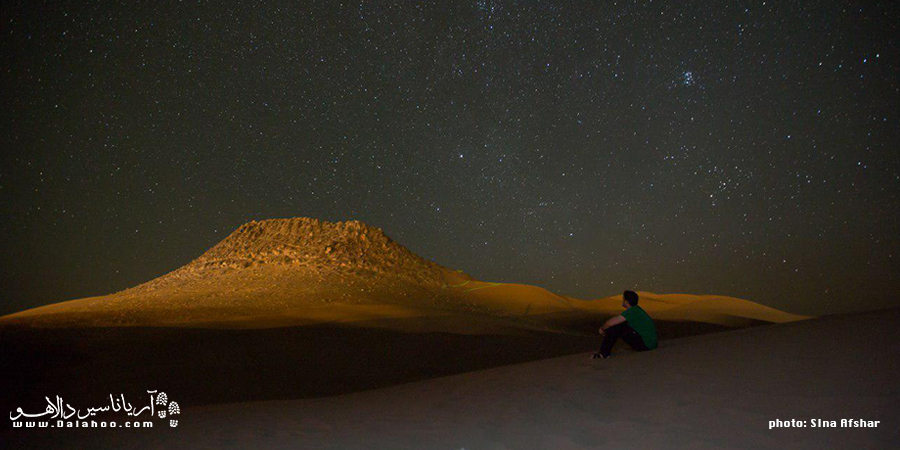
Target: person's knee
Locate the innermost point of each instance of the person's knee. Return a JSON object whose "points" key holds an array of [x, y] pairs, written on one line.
{"points": [[615, 332]]}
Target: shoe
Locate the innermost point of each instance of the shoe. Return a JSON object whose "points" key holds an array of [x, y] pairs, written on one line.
{"points": [[598, 355]]}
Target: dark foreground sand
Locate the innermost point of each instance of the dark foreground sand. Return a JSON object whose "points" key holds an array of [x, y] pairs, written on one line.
{"points": [[202, 366], [712, 391]]}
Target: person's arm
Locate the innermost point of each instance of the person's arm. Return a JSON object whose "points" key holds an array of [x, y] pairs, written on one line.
{"points": [[613, 321]]}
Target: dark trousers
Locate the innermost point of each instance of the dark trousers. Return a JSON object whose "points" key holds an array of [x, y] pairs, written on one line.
{"points": [[624, 331]]}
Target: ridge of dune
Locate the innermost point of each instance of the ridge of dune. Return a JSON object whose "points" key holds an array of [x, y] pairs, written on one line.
{"points": [[514, 298], [719, 309]]}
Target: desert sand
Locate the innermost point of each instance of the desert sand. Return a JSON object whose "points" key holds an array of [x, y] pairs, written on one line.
{"points": [[339, 305], [289, 309], [715, 391]]}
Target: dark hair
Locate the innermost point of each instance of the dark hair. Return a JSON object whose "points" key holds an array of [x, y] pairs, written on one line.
{"points": [[631, 297]]}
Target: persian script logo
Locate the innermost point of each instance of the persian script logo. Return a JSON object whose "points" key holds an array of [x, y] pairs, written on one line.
{"points": [[66, 416]]}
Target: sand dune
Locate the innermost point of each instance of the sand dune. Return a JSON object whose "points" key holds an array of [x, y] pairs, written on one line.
{"points": [[716, 309], [712, 391], [717, 391], [295, 272]]}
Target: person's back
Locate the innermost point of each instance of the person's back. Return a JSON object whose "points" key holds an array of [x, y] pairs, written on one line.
{"points": [[638, 319], [634, 326]]}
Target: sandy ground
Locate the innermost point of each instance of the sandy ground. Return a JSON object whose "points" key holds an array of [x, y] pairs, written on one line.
{"points": [[713, 391], [319, 318], [208, 365]]}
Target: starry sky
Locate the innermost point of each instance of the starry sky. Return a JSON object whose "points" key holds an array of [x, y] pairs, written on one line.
{"points": [[735, 148]]}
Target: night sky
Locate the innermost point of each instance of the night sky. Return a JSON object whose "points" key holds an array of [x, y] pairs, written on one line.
{"points": [[736, 148]]}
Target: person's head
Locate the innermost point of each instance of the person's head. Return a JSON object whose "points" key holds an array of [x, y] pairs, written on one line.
{"points": [[629, 299]]}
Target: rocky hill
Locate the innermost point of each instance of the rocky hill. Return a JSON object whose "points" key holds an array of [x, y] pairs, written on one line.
{"points": [[301, 271], [312, 247]]}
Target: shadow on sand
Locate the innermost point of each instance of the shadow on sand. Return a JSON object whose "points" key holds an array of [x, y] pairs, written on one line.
{"points": [[208, 366]]}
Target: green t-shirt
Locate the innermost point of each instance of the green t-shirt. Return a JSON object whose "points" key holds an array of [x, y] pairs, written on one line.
{"points": [[638, 319]]}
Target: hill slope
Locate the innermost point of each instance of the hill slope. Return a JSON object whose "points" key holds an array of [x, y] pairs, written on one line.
{"points": [[301, 271]]}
